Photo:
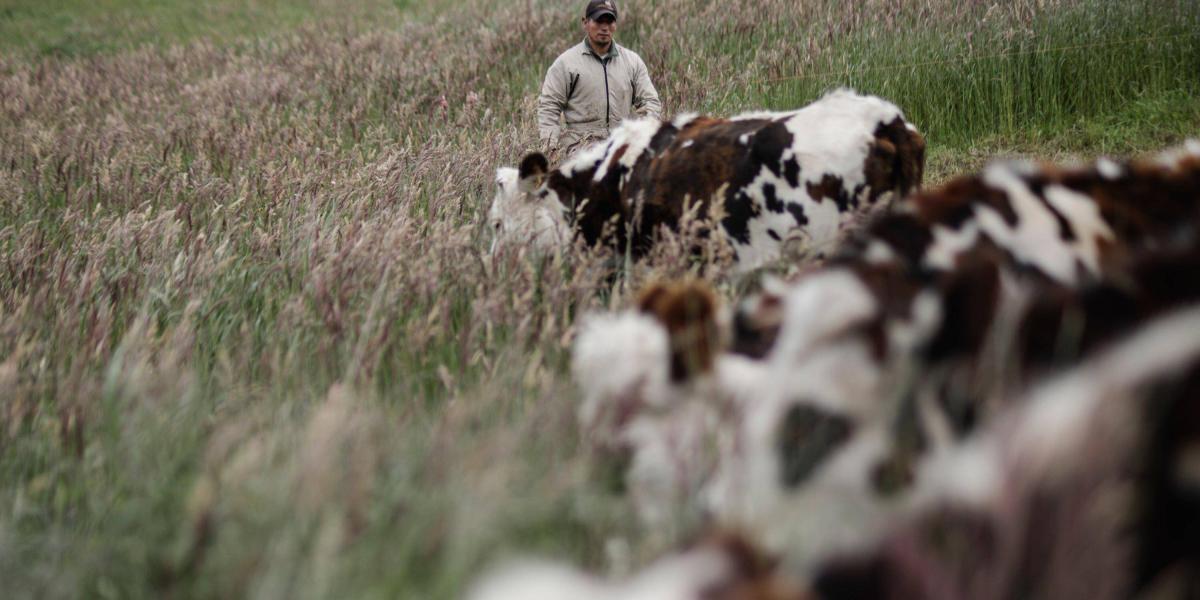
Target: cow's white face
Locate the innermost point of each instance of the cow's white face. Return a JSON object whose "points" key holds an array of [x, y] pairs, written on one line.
{"points": [[521, 215]]}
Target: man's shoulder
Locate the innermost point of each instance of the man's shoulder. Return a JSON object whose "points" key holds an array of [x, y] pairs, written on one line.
{"points": [[572, 52], [628, 54]]}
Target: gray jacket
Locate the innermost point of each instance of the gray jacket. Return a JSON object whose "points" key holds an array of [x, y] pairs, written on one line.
{"points": [[593, 94]]}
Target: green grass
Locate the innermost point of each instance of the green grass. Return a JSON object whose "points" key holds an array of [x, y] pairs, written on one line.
{"points": [[249, 345], [76, 28]]}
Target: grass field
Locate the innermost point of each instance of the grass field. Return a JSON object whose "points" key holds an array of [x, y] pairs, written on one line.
{"points": [[249, 341]]}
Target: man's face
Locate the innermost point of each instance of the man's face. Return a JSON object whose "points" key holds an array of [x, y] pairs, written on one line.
{"points": [[600, 30]]}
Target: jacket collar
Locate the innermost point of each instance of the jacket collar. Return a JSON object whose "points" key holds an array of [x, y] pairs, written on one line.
{"points": [[586, 48]]}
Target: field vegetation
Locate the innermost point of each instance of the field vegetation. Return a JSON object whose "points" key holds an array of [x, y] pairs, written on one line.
{"points": [[251, 344]]}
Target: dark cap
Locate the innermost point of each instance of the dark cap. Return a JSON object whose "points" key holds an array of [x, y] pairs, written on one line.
{"points": [[599, 8]]}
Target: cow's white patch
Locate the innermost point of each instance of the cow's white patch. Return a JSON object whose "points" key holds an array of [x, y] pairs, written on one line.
{"points": [[879, 253], [905, 336], [621, 363], [762, 115], [587, 159], [635, 137], [685, 576], [948, 244], [683, 120], [833, 135], [1171, 158], [820, 307], [673, 454], [538, 580], [688, 144], [1109, 169], [970, 473], [1036, 238], [1086, 221]]}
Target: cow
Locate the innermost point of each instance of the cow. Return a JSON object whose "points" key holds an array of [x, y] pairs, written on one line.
{"points": [[1070, 225], [769, 178], [844, 420], [656, 387], [975, 393], [1084, 488], [832, 419]]}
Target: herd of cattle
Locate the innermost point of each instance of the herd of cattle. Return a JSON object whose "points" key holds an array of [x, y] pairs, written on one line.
{"points": [[986, 390]]}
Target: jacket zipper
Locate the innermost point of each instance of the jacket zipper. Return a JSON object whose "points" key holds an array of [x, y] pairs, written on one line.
{"points": [[607, 100], [571, 90]]}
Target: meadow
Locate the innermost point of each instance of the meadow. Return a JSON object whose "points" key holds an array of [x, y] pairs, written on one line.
{"points": [[251, 344]]}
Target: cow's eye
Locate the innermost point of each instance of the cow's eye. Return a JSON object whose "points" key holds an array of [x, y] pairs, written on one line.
{"points": [[496, 225]]}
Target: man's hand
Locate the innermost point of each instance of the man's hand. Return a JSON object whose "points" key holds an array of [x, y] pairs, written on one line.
{"points": [[550, 149]]}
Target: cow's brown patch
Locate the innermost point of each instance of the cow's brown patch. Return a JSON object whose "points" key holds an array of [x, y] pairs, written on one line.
{"points": [[688, 311], [954, 203], [1062, 325], [905, 234], [754, 573], [896, 161], [970, 297], [830, 187], [895, 288], [1167, 530], [1149, 200]]}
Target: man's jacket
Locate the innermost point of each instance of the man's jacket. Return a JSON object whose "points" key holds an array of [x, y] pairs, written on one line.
{"points": [[593, 94]]}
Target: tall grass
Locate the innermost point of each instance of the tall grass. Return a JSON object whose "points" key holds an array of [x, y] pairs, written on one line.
{"points": [[249, 341]]}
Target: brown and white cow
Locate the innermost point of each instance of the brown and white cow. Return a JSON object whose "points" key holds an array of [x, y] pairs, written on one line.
{"points": [[1084, 488], [770, 178], [1067, 224], [875, 361], [882, 356], [656, 390]]}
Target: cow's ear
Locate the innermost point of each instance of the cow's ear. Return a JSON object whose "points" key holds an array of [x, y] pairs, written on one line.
{"points": [[533, 170], [651, 296]]}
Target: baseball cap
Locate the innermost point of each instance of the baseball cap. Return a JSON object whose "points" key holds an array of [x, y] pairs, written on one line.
{"points": [[598, 8]]}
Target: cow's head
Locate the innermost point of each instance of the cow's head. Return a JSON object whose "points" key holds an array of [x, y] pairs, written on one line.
{"points": [[525, 211]]}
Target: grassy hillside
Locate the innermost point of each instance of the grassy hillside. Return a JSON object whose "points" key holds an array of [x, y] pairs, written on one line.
{"points": [[78, 28], [249, 341]]}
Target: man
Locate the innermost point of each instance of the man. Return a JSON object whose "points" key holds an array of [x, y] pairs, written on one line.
{"points": [[593, 86]]}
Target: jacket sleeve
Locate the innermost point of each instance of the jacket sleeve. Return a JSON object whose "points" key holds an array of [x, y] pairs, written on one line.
{"points": [[551, 104], [645, 97]]}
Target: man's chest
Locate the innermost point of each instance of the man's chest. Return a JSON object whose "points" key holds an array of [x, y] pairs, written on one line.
{"points": [[595, 78]]}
